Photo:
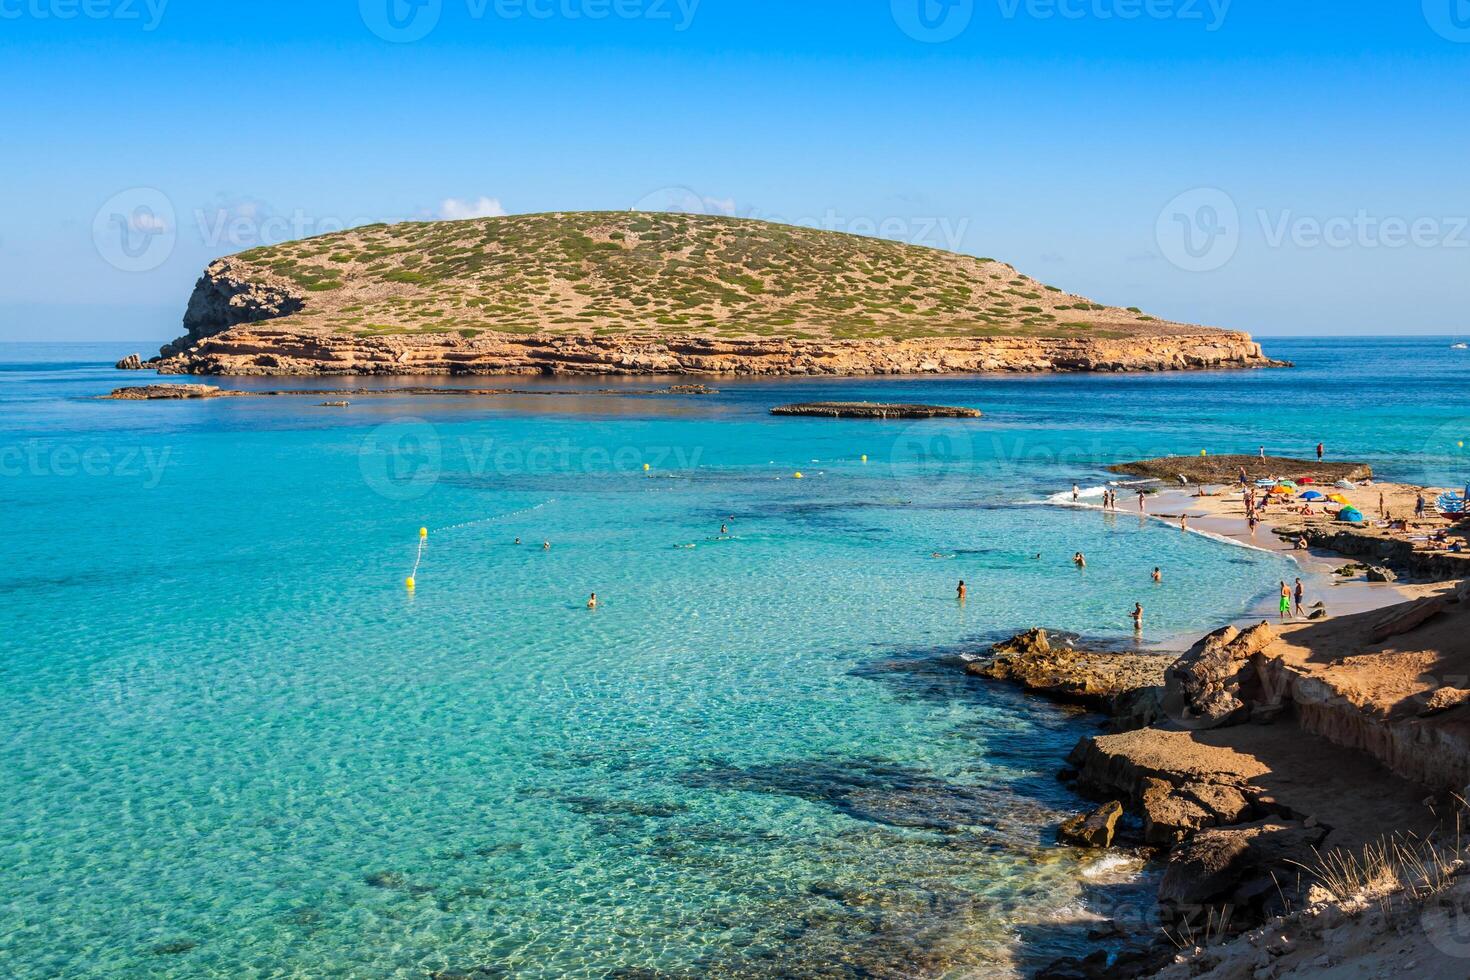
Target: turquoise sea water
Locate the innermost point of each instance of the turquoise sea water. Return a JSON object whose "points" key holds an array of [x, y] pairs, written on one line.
{"points": [[236, 745]]}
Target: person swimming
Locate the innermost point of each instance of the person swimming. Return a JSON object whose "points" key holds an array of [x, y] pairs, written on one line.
{"points": [[1158, 576], [546, 546], [592, 602], [518, 540], [1080, 560], [724, 530]]}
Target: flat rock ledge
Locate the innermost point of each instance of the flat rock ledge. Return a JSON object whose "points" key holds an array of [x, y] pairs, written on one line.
{"points": [[154, 393], [1226, 469], [874, 410]]}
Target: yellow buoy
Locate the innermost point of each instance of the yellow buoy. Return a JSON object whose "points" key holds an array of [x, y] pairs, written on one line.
{"points": [[797, 476], [645, 467], [423, 532], [1204, 452], [409, 582], [1462, 445], [865, 457]]}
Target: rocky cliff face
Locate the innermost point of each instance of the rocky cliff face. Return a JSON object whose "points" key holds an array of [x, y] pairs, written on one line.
{"points": [[256, 350], [224, 299]]}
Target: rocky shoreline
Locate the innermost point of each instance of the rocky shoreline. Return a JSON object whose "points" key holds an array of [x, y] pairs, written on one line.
{"points": [[873, 410], [261, 351]]}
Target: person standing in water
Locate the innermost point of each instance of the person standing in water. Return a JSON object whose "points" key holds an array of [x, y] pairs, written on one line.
{"points": [[1076, 492], [1184, 522], [1138, 617], [1080, 560], [1285, 600], [1141, 498], [592, 602], [1299, 594], [1158, 576], [961, 593]]}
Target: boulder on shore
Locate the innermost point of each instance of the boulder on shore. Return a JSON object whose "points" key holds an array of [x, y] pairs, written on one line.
{"points": [[1095, 829], [1216, 682]]}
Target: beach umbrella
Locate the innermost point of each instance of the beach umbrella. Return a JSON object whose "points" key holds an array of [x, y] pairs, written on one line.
{"points": [[1311, 495], [1346, 485], [1338, 498], [1350, 515], [1306, 480], [1286, 483], [1284, 491]]}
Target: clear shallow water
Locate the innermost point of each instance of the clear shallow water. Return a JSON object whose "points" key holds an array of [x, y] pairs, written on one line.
{"points": [[237, 746]]}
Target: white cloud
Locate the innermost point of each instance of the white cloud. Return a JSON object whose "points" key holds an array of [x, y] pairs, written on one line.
{"points": [[458, 209]]}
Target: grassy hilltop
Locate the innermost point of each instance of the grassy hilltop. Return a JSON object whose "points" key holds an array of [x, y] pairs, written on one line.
{"points": [[611, 273]]}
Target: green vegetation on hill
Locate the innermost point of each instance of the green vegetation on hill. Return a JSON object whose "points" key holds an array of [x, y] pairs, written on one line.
{"points": [[608, 273]]}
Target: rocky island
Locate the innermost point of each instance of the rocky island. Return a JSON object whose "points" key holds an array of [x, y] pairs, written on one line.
{"points": [[639, 293]]}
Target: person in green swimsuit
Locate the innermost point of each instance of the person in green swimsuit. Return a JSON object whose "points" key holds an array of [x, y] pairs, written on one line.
{"points": [[1285, 600]]}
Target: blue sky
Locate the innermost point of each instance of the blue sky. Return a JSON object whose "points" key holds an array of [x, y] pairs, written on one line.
{"points": [[1280, 167]]}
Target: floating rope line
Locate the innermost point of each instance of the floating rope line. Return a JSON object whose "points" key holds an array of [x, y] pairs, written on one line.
{"points": [[411, 582]]}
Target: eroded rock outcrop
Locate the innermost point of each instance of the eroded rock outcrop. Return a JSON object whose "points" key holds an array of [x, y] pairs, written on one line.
{"points": [[259, 350], [1127, 686], [1216, 682], [223, 298]]}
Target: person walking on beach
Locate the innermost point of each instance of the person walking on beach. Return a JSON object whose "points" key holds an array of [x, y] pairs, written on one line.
{"points": [[1419, 506], [961, 592], [1244, 480], [1285, 600], [1141, 498], [1263, 452], [1382, 507], [1299, 594]]}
